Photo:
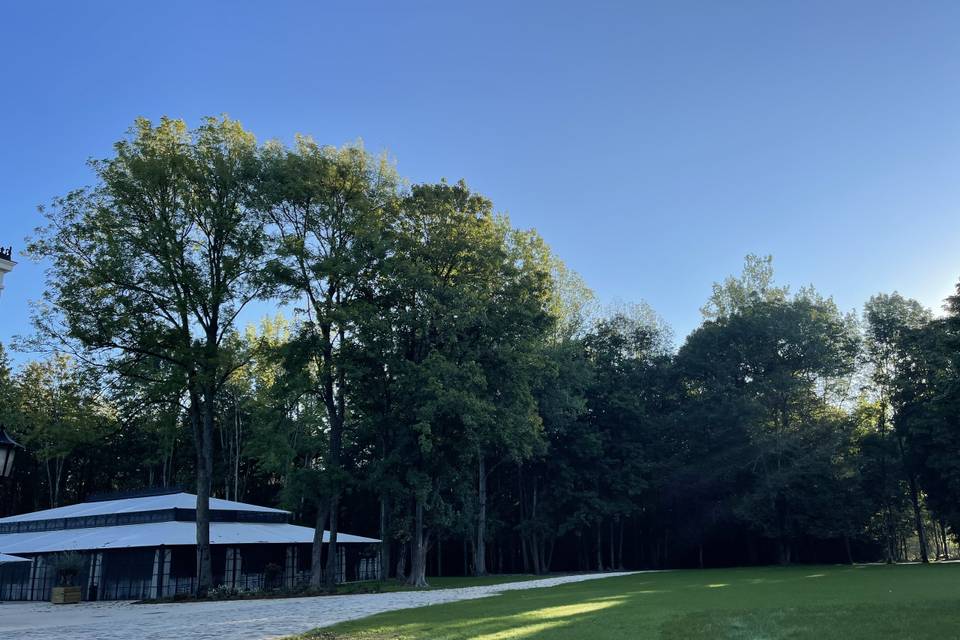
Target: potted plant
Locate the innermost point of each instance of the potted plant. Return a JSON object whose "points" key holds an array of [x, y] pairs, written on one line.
{"points": [[68, 567]]}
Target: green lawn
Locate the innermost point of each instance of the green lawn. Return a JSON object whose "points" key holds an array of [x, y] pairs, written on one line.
{"points": [[820, 602]]}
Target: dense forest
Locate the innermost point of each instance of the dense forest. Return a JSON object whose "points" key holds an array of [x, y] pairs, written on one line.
{"points": [[432, 376]]}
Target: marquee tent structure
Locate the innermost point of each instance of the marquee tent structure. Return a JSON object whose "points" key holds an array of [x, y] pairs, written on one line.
{"points": [[144, 546]]}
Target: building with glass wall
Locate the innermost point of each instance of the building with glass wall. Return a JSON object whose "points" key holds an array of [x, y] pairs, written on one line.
{"points": [[145, 547]]}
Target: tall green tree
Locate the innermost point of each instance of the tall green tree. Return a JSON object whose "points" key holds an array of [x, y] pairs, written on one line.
{"points": [[927, 394], [889, 319], [771, 361], [329, 211], [467, 303], [155, 262], [59, 413]]}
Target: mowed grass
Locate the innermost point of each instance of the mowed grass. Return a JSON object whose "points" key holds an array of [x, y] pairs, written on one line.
{"points": [[453, 582], [819, 602]]}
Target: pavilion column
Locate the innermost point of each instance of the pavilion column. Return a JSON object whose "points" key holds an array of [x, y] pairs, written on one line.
{"points": [[161, 572], [36, 570], [167, 561], [93, 580], [38, 578], [290, 568], [234, 567], [228, 569]]}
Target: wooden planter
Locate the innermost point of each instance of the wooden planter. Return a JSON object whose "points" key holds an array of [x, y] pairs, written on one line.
{"points": [[65, 595]]}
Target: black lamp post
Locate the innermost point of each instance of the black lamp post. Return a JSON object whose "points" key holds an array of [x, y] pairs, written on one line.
{"points": [[8, 450], [6, 263]]}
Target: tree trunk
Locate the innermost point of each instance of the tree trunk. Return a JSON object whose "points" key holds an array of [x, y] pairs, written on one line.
{"points": [[316, 564], [480, 545], [918, 519], [523, 553], [204, 438], [53, 498], [334, 400], [915, 501], [666, 546], [330, 579], [402, 562], [888, 532], [535, 550], [548, 557], [384, 539], [238, 427], [523, 518], [846, 546], [783, 551], [418, 567], [535, 554], [600, 545], [620, 546], [889, 549], [943, 537], [613, 548]]}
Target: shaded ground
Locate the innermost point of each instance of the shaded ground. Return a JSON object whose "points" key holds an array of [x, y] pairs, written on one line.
{"points": [[247, 619], [819, 603]]}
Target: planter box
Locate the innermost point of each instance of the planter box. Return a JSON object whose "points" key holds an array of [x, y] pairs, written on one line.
{"points": [[65, 595]]}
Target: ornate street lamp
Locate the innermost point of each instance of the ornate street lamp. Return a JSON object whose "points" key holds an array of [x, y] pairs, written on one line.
{"points": [[6, 263], [8, 449]]}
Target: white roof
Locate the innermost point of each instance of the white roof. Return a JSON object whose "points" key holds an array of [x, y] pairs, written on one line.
{"points": [[157, 534], [134, 505], [5, 558]]}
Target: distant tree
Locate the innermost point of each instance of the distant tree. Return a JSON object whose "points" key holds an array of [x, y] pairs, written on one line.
{"points": [[889, 319], [927, 394], [755, 284], [58, 413], [628, 357], [765, 367], [8, 392]]}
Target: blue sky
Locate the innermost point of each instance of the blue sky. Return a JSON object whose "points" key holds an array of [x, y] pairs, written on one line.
{"points": [[652, 144]]}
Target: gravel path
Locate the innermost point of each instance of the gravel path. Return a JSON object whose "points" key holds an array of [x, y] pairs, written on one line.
{"points": [[247, 619]]}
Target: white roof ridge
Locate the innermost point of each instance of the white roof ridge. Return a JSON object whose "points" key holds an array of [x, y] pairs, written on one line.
{"points": [[159, 502], [169, 533]]}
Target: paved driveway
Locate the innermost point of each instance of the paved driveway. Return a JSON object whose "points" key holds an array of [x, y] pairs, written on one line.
{"points": [[247, 619]]}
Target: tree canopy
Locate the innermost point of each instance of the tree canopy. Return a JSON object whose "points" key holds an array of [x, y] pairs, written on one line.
{"points": [[450, 379]]}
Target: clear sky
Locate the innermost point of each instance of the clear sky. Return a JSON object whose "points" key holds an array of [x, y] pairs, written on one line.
{"points": [[651, 144]]}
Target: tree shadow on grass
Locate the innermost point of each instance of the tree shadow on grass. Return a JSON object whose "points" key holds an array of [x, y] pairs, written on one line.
{"points": [[770, 603]]}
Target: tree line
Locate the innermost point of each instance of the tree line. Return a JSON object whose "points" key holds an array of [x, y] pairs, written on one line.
{"points": [[434, 376]]}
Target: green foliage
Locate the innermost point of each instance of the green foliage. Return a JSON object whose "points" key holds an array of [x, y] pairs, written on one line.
{"points": [[150, 267], [445, 371], [927, 391], [735, 294]]}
